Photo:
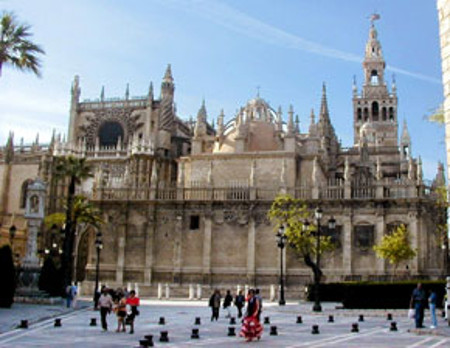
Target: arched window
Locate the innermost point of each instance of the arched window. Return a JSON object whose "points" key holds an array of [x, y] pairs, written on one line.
{"points": [[391, 113], [384, 114], [375, 111], [23, 193], [366, 114], [359, 114], [109, 133], [374, 77]]}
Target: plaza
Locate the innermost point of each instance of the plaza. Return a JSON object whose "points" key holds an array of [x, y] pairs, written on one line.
{"points": [[180, 316]]}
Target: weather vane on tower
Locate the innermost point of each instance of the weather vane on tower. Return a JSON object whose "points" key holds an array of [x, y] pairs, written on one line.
{"points": [[374, 17]]}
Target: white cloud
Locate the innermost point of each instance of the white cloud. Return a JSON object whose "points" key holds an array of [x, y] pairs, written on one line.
{"points": [[242, 23]]}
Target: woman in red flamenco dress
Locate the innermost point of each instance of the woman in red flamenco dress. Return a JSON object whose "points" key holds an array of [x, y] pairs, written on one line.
{"points": [[251, 327]]}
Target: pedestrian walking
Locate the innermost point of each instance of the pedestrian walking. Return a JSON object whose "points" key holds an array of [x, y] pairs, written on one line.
{"points": [[106, 304], [69, 296], [74, 291], [239, 302], [432, 300], [418, 300], [214, 303], [121, 313], [251, 327], [132, 301], [260, 303], [227, 303]]}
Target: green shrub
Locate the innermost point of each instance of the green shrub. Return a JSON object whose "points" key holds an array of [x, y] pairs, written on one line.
{"points": [[50, 279], [376, 295], [8, 277]]}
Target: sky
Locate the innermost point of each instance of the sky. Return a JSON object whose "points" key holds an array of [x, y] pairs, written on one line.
{"points": [[224, 51]]}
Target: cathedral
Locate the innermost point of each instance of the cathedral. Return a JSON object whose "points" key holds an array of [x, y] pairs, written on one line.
{"points": [[185, 202]]}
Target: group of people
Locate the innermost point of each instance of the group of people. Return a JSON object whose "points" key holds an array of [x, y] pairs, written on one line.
{"points": [[251, 325], [418, 303], [123, 303]]}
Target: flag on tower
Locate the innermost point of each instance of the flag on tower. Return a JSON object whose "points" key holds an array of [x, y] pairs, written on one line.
{"points": [[374, 17]]}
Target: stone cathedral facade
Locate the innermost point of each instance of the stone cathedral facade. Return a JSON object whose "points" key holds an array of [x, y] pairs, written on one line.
{"points": [[186, 202]]}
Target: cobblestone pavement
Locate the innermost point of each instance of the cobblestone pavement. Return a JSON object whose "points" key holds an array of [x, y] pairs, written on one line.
{"points": [[179, 316]]}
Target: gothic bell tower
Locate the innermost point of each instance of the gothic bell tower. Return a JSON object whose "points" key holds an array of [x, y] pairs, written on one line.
{"points": [[375, 108]]}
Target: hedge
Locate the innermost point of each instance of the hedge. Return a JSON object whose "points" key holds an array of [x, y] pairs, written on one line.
{"points": [[376, 295]]}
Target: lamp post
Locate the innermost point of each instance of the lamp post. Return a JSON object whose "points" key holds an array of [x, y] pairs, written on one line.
{"points": [[318, 213], [98, 247], [281, 242]]}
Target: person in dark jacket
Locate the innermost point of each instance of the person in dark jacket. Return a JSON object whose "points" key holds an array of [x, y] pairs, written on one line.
{"points": [[239, 302], [418, 301], [214, 303], [227, 303]]}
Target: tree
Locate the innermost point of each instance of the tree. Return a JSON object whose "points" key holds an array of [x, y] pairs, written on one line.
{"points": [[395, 247], [75, 170], [302, 239], [8, 277], [16, 48], [50, 278]]}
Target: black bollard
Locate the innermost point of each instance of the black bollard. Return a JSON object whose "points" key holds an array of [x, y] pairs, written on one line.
{"points": [[162, 321], [143, 343], [93, 322], [273, 331], [164, 336], [232, 321], [355, 327], [58, 322], [23, 324], [266, 320], [361, 317], [299, 319], [315, 329], [195, 334], [149, 339], [331, 319], [389, 316], [231, 331], [393, 326], [197, 321]]}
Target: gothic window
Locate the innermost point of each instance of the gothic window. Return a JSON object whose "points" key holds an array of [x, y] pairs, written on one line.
{"points": [[364, 237], [384, 114], [391, 113], [23, 193], [359, 114], [375, 111], [366, 114], [374, 77], [109, 133]]}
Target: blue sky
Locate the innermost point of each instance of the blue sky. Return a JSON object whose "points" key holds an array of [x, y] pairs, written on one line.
{"points": [[222, 50]]}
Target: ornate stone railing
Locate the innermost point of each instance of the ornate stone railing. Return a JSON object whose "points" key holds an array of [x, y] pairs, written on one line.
{"points": [[328, 192]]}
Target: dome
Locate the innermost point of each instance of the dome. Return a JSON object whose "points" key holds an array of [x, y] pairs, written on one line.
{"points": [[259, 109]]}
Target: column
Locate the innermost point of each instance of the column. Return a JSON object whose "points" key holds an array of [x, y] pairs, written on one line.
{"points": [[379, 233], [149, 235], [120, 254], [347, 244], [415, 242], [177, 253], [251, 264], [207, 240]]}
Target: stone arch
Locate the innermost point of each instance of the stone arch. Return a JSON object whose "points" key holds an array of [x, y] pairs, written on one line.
{"points": [[375, 111], [109, 133], [23, 193], [83, 251]]}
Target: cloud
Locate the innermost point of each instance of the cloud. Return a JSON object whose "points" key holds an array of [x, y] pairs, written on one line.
{"points": [[242, 23]]}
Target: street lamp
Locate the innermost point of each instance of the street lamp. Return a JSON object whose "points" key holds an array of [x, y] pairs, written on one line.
{"points": [[318, 214], [281, 242], [99, 247]]}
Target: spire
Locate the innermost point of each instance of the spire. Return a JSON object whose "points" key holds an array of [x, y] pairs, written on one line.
{"points": [[290, 125], [312, 124], [9, 148], [280, 120], [220, 120], [127, 92], [406, 139], [323, 104], [75, 90], [168, 75], [394, 85], [354, 86], [439, 181], [297, 124], [374, 63], [200, 125], [150, 91]]}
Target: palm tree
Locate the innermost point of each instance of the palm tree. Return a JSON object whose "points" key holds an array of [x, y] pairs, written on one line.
{"points": [[15, 47], [75, 170]]}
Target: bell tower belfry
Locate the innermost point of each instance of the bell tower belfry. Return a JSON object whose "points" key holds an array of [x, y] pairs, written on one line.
{"points": [[375, 105]]}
